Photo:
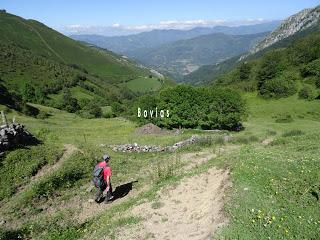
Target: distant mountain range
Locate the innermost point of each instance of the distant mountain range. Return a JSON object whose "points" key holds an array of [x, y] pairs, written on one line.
{"points": [[294, 27], [185, 56], [164, 48], [154, 38]]}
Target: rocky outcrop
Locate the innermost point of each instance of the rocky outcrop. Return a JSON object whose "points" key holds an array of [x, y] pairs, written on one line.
{"points": [[13, 135], [295, 23]]}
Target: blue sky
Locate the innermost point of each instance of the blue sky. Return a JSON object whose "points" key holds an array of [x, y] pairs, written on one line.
{"points": [[61, 13]]}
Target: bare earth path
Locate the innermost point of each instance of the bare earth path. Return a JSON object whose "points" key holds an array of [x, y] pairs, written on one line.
{"points": [[193, 210], [69, 149], [89, 209]]}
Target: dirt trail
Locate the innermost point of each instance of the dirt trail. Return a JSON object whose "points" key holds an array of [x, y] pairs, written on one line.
{"points": [[69, 149], [195, 159], [88, 208], [193, 210]]}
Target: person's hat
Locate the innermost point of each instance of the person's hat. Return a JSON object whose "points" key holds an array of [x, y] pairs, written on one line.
{"points": [[106, 157]]}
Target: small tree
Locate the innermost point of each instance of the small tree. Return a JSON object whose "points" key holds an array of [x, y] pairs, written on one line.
{"points": [[39, 95], [244, 71], [317, 82], [278, 87], [270, 67], [307, 92], [117, 108], [190, 107], [28, 92], [94, 109], [311, 69], [69, 103]]}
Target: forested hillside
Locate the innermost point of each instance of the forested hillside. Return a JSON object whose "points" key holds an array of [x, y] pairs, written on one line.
{"points": [[281, 72], [40, 65]]}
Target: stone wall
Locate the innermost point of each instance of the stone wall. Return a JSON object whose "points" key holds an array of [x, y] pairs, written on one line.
{"points": [[146, 148]]}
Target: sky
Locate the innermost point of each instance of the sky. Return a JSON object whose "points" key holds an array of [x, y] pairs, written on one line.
{"points": [[119, 17]]}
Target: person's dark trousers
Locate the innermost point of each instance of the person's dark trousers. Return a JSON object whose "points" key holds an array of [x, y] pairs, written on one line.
{"points": [[109, 194], [99, 195]]}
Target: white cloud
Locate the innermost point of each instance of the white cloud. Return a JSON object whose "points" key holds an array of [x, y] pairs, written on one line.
{"points": [[118, 29], [116, 25]]}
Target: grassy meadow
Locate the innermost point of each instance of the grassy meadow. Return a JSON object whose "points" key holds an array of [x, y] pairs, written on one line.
{"points": [[276, 186], [275, 193]]}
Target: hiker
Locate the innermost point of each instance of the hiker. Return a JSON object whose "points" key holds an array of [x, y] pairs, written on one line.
{"points": [[102, 179]]}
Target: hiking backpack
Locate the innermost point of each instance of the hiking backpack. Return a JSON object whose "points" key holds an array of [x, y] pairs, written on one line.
{"points": [[98, 176]]}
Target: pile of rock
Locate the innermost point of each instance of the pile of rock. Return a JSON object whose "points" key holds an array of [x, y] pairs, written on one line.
{"points": [[145, 148], [13, 135], [150, 128]]}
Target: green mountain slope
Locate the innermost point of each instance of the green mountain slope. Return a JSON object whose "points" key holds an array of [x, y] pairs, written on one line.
{"points": [[281, 71], [37, 63], [209, 73], [44, 41]]}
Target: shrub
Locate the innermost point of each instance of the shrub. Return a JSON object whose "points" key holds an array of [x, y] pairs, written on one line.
{"points": [[284, 118], [245, 139], [271, 132], [117, 108], [244, 71], [206, 108], [28, 110], [39, 95], [91, 110], [69, 103], [292, 133], [28, 92], [211, 141], [108, 115], [43, 115], [311, 69], [32, 93], [282, 86], [270, 67], [317, 82], [307, 92], [246, 86]]}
